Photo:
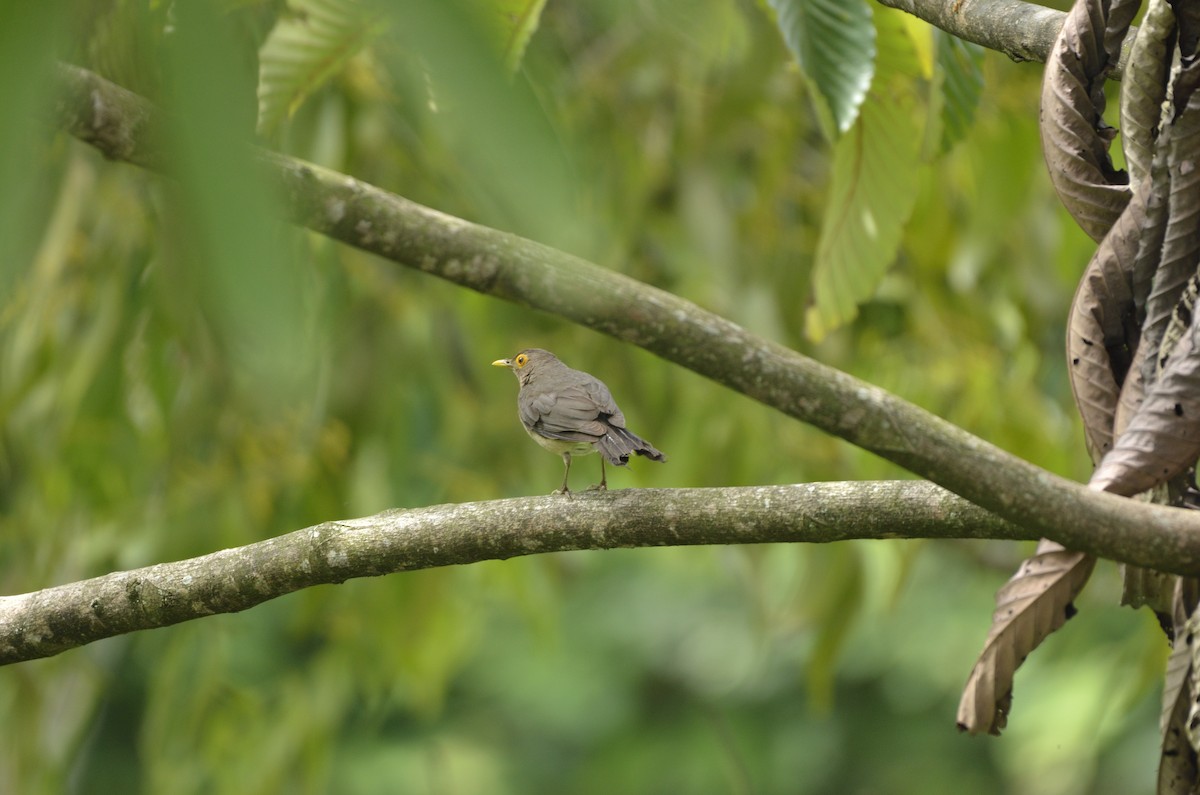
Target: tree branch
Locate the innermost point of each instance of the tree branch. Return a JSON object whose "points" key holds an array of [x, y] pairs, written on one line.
{"points": [[528, 273], [53, 620], [1022, 31]]}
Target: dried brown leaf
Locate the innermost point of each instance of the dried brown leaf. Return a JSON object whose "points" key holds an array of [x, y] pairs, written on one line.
{"points": [[1180, 322], [1187, 18], [1178, 771], [1133, 391], [1191, 641], [1075, 138], [1104, 328], [1035, 602], [1177, 766], [1146, 588], [1092, 382], [1175, 188], [1144, 87], [1154, 291], [1163, 439]]}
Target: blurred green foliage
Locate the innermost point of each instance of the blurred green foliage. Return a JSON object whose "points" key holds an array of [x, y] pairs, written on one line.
{"points": [[181, 372]]}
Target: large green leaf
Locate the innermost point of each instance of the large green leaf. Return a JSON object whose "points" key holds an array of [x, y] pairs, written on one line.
{"points": [[307, 48], [234, 264], [29, 38], [508, 158], [875, 171], [512, 24], [834, 42], [960, 64]]}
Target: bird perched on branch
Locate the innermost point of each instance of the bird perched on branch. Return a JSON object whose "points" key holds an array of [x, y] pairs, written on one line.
{"points": [[570, 412]]}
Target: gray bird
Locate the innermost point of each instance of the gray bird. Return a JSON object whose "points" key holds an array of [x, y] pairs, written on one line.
{"points": [[570, 412]]}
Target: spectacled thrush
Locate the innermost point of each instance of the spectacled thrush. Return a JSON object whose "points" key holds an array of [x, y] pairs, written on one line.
{"points": [[570, 412]]}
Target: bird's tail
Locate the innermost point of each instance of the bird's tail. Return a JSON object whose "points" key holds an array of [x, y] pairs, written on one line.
{"points": [[618, 444]]}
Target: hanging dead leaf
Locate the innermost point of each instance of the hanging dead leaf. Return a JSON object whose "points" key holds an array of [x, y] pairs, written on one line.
{"points": [[1147, 588], [1178, 770], [1075, 138], [1092, 382], [1177, 766], [1035, 602], [1180, 322], [1173, 221], [1192, 643], [1155, 291], [1142, 587], [1133, 391], [1187, 20], [1144, 88], [1163, 439], [1103, 332]]}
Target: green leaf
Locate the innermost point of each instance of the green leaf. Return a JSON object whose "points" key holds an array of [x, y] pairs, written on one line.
{"points": [[834, 43], [875, 170], [960, 64], [237, 265], [508, 157], [307, 48], [511, 24], [29, 38]]}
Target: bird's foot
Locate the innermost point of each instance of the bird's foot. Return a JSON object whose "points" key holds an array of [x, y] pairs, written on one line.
{"points": [[598, 487]]}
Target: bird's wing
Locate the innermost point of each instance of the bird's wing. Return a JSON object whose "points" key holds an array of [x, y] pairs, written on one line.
{"points": [[598, 393], [569, 413], [532, 408]]}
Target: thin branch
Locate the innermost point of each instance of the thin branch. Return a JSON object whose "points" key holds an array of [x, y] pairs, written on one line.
{"points": [[534, 275], [1022, 31], [120, 123], [50, 621]]}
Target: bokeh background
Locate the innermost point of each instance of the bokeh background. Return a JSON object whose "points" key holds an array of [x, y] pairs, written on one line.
{"points": [[181, 372]]}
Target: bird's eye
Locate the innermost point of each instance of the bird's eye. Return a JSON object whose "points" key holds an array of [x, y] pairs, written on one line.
{"points": [[521, 359]]}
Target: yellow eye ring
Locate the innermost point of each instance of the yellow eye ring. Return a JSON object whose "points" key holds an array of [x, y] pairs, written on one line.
{"points": [[521, 359]]}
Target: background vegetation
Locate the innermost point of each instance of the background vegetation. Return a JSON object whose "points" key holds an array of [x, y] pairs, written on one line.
{"points": [[179, 372]]}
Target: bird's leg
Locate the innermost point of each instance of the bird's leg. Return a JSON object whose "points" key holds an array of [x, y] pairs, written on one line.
{"points": [[603, 484], [567, 463]]}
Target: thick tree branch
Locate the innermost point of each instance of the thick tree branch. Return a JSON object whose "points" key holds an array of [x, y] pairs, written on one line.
{"points": [[1022, 31], [528, 273], [47, 622]]}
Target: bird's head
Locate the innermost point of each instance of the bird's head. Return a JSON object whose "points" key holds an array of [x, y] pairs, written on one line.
{"points": [[528, 363]]}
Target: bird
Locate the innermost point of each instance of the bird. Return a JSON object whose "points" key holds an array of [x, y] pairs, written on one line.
{"points": [[572, 413]]}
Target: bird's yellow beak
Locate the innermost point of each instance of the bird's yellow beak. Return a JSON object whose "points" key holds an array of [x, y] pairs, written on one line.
{"points": [[502, 363]]}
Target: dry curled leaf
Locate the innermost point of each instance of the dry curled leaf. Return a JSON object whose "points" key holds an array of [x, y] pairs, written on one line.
{"points": [[1145, 87], [1075, 138], [1092, 382], [1173, 222], [1133, 391], [1147, 588], [1187, 19], [1177, 763], [1035, 602], [1177, 766], [1163, 438], [1104, 329], [1180, 322], [1154, 291]]}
